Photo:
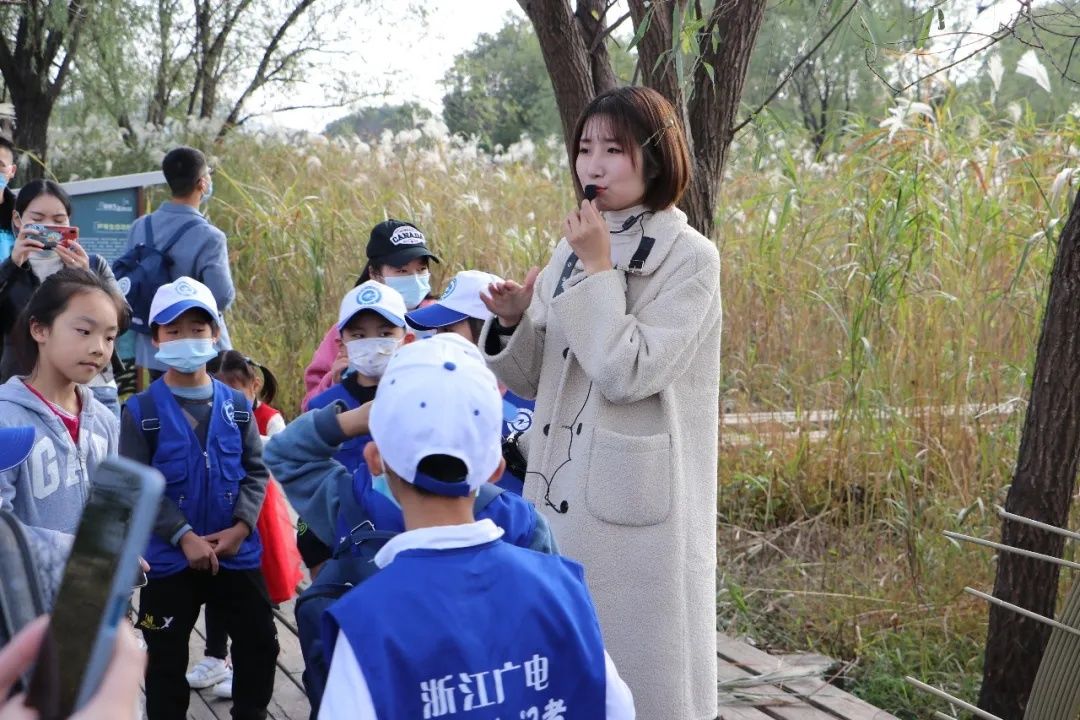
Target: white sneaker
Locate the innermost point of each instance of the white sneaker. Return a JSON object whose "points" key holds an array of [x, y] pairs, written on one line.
{"points": [[209, 671], [224, 688]]}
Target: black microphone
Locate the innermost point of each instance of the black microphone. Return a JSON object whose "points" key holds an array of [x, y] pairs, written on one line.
{"points": [[564, 506], [590, 192]]}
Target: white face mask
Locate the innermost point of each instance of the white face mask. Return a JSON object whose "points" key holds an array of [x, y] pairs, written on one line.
{"points": [[45, 263], [369, 356]]}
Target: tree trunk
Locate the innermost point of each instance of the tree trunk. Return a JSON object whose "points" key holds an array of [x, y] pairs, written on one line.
{"points": [[715, 103], [32, 133], [567, 59], [1042, 489]]}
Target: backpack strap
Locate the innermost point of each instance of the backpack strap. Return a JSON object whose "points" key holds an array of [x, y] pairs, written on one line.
{"points": [[360, 526], [150, 423], [485, 496], [178, 234]]}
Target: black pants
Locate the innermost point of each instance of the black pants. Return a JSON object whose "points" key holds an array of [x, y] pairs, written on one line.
{"points": [[168, 609], [217, 636]]}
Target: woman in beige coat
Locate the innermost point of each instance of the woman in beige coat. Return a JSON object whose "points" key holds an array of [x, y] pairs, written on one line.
{"points": [[618, 339]]}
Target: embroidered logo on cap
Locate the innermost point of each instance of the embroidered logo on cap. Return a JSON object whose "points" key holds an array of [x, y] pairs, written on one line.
{"points": [[368, 296], [449, 289], [182, 288], [406, 235]]}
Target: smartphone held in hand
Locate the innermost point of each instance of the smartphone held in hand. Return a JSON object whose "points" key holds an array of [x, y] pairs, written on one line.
{"points": [[52, 235], [93, 596]]}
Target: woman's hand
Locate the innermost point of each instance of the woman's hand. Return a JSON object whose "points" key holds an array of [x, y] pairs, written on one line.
{"points": [[25, 243], [73, 255], [588, 235], [509, 300]]}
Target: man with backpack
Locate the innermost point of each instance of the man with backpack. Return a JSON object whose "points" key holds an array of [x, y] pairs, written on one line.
{"points": [[174, 241]]}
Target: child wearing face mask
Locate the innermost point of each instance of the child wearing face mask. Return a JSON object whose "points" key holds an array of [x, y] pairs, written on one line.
{"points": [[205, 549], [397, 256], [280, 560], [370, 327]]}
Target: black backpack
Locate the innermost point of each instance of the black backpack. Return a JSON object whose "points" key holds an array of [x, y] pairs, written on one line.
{"points": [[143, 269]]}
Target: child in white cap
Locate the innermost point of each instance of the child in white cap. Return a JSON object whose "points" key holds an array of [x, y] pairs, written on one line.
{"points": [[371, 326], [461, 310], [198, 432], [432, 633]]}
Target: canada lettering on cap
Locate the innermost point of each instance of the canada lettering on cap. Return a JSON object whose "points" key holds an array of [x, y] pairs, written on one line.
{"points": [[406, 235]]}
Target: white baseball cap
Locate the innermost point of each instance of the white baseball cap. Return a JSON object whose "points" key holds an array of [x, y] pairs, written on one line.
{"points": [[459, 301], [372, 295], [437, 397], [173, 299]]}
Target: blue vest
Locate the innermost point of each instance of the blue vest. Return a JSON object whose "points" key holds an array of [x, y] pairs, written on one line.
{"points": [[351, 452], [435, 636], [512, 513], [203, 483]]}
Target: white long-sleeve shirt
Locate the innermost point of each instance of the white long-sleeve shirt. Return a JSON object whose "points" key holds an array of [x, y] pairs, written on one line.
{"points": [[347, 694]]}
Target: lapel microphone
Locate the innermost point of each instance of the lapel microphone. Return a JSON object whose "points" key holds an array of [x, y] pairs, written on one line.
{"points": [[590, 192]]}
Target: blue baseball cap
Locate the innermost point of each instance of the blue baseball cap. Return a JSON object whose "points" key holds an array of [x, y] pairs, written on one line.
{"points": [[460, 301], [174, 299], [15, 445]]}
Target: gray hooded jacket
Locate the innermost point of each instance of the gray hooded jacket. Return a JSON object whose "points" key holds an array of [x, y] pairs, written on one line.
{"points": [[48, 490]]}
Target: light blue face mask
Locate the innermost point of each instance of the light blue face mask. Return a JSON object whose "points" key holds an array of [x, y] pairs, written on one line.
{"points": [[381, 484], [209, 192], [187, 355], [413, 288]]}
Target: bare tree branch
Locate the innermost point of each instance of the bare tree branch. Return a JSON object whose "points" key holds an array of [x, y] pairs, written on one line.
{"points": [[798, 63]]}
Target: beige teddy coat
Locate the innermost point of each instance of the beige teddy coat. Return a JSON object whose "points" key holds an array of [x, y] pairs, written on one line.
{"points": [[625, 370]]}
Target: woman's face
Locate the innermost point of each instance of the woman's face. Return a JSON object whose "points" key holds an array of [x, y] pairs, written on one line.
{"points": [[414, 267], [44, 210], [617, 173]]}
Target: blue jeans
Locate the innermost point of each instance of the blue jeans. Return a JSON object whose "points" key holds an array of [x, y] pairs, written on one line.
{"points": [[107, 396]]}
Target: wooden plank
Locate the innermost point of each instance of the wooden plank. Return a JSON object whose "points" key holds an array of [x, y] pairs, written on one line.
{"points": [[769, 700], [816, 692], [288, 702], [738, 712]]}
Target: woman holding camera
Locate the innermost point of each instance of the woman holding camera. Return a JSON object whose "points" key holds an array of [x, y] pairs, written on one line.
{"points": [[43, 202]]}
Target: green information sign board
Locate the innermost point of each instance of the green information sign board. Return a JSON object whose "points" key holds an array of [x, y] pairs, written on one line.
{"points": [[104, 220]]}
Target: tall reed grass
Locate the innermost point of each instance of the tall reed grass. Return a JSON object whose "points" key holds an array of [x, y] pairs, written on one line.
{"points": [[902, 271]]}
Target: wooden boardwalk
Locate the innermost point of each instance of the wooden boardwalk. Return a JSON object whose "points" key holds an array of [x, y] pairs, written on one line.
{"points": [[757, 686], [754, 685]]}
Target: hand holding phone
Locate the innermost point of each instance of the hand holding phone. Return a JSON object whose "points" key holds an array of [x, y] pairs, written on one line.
{"points": [[115, 699], [50, 236], [113, 532]]}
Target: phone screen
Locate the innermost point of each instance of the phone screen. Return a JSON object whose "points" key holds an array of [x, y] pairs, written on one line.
{"points": [[84, 593]]}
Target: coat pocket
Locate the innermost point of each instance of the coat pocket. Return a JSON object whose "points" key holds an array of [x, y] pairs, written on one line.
{"points": [[629, 478]]}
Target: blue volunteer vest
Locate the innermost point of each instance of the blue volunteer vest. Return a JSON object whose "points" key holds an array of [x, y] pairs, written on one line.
{"points": [[510, 512], [203, 483], [435, 637], [351, 452]]}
